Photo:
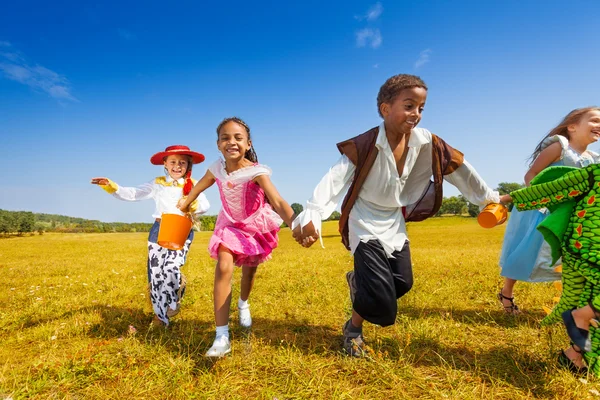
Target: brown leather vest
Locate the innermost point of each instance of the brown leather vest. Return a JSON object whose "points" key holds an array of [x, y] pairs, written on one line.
{"points": [[362, 152]]}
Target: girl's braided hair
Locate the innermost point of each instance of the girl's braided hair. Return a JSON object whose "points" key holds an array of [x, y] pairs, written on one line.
{"points": [[562, 128], [250, 153]]}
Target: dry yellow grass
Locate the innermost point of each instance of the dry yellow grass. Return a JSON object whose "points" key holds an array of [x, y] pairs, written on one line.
{"points": [[67, 301]]}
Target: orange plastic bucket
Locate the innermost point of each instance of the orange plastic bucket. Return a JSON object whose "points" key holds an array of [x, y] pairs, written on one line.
{"points": [[493, 214], [174, 230]]}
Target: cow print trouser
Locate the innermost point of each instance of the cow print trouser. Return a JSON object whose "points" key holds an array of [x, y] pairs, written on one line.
{"points": [[164, 274]]}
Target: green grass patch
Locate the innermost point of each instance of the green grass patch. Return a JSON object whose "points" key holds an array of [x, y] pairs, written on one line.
{"points": [[67, 302]]}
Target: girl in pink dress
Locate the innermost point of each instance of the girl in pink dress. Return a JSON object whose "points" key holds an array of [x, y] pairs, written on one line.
{"points": [[246, 229]]}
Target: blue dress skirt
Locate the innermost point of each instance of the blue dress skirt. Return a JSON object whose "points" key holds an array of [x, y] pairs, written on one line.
{"points": [[525, 255]]}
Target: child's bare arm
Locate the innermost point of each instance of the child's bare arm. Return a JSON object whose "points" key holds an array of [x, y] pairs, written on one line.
{"points": [[546, 157], [205, 182], [279, 204]]}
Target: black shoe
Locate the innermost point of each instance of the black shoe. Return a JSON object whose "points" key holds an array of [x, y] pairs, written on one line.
{"points": [[567, 363], [512, 308], [579, 336], [354, 345]]}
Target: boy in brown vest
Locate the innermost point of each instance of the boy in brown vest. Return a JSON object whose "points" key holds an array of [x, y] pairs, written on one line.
{"points": [[386, 174]]}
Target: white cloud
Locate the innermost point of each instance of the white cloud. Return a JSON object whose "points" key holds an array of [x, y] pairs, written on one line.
{"points": [[368, 37], [372, 14], [14, 67], [423, 58], [125, 34]]}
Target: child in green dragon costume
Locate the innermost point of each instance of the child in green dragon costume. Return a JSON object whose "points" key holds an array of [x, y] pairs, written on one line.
{"points": [[573, 232]]}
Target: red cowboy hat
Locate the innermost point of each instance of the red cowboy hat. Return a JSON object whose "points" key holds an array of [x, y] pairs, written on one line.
{"points": [[159, 158]]}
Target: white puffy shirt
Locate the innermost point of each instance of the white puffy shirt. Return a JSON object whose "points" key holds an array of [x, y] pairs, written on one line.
{"points": [[377, 213]]}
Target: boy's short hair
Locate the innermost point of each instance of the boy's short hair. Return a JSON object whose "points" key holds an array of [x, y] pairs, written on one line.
{"points": [[394, 85]]}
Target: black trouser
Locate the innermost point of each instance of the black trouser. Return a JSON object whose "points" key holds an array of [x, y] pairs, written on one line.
{"points": [[380, 281]]}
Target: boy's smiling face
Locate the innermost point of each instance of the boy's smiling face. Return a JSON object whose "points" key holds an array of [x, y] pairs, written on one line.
{"points": [[177, 165], [404, 113]]}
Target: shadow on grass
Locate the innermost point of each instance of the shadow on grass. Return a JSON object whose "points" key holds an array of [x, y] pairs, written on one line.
{"points": [[301, 335], [192, 337], [482, 316], [115, 322], [509, 364]]}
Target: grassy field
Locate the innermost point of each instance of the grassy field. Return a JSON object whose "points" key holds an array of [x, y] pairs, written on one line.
{"points": [[74, 318]]}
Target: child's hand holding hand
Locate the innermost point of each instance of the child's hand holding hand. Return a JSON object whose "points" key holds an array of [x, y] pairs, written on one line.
{"points": [[505, 199], [306, 236]]}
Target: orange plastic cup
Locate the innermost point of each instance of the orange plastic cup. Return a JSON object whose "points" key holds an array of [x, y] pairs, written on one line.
{"points": [[174, 230], [493, 214]]}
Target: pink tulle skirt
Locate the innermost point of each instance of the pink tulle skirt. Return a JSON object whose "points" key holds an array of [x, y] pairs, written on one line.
{"points": [[251, 241]]}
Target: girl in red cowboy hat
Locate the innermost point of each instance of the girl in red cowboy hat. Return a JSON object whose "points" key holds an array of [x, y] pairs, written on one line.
{"points": [[166, 282], [246, 229]]}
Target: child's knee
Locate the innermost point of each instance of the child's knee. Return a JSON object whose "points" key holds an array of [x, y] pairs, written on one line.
{"points": [[224, 268]]}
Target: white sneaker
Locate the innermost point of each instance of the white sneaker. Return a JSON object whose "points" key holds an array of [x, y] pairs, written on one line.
{"points": [[219, 348], [245, 317]]}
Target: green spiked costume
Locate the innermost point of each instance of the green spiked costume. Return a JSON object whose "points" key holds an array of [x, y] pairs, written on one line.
{"points": [[573, 232]]}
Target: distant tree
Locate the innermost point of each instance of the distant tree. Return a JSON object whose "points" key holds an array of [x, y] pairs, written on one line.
{"points": [[472, 209], [297, 208], [335, 216], [456, 205], [507, 187], [26, 222], [207, 222]]}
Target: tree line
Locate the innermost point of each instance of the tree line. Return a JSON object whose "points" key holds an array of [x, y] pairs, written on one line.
{"points": [[459, 205], [20, 222]]}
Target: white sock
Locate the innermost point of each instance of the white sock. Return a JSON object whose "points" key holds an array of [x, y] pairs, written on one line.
{"points": [[242, 304], [223, 331]]}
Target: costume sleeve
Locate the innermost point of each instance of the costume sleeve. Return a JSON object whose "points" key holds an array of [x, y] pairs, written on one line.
{"points": [[200, 205], [327, 194], [142, 192], [567, 187], [563, 141], [261, 169], [472, 186]]}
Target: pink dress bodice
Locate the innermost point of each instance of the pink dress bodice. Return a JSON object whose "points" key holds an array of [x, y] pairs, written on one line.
{"points": [[247, 224]]}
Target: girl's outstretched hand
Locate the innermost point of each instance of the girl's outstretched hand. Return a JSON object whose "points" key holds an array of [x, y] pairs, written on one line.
{"points": [[99, 181]]}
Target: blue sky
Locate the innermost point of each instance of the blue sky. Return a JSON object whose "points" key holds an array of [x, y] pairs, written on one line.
{"points": [[95, 89]]}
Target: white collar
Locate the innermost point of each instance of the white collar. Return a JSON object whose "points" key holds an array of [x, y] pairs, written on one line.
{"points": [[417, 138], [180, 181]]}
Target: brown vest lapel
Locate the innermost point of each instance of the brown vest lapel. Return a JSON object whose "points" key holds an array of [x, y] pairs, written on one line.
{"points": [[361, 150], [444, 160]]}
